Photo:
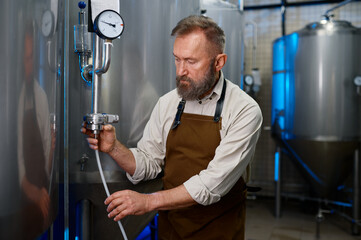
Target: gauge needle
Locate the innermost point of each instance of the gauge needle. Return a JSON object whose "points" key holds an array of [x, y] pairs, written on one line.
{"points": [[110, 24]]}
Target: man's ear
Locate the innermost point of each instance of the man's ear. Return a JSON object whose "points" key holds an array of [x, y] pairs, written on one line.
{"points": [[221, 59]]}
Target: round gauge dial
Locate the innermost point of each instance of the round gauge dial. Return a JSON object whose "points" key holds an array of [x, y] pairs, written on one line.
{"points": [[109, 24], [357, 81], [248, 80], [47, 23]]}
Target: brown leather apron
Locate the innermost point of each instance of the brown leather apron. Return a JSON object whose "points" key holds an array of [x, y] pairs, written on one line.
{"points": [[33, 150], [190, 147]]}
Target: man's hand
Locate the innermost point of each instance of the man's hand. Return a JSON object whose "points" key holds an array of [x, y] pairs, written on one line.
{"points": [[107, 142], [106, 139], [127, 202]]}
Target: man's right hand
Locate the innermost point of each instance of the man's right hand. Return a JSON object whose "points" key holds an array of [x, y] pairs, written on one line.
{"points": [[105, 141]]}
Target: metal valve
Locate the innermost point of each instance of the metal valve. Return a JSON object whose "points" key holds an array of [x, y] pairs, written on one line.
{"points": [[95, 121]]}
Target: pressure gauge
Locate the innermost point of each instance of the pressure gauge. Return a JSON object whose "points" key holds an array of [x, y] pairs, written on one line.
{"points": [[47, 23], [108, 24], [248, 80], [357, 81]]}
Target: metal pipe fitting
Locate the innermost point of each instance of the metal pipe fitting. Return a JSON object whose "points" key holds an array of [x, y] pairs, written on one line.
{"points": [[107, 57]]}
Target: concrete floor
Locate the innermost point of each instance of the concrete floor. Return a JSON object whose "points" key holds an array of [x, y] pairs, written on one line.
{"points": [[296, 223]]}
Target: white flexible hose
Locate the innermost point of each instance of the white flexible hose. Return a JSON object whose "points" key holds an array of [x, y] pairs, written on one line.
{"points": [[107, 190]]}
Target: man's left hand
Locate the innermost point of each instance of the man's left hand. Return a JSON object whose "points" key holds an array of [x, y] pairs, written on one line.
{"points": [[127, 202]]}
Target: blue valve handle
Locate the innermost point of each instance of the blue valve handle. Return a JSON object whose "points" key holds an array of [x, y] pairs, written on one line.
{"points": [[81, 5]]}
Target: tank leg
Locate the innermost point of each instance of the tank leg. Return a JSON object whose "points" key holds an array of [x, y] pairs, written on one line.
{"points": [[83, 220], [319, 219], [356, 192], [277, 178]]}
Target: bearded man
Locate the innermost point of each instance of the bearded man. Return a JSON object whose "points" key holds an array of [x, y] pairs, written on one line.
{"points": [[204, 146]]}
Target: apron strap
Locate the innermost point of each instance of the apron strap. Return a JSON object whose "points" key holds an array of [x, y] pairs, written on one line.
{"points": [[219, 107], [180, 107], [217, 114]]}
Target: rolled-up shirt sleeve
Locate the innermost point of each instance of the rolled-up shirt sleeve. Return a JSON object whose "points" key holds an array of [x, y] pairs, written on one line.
{"points": [[150, 152], [231, 159], [139, 173]]}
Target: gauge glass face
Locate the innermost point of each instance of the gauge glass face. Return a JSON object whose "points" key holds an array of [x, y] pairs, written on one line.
{"points": [[110, 24], [248, 80], [47, 23], [357, 81]]}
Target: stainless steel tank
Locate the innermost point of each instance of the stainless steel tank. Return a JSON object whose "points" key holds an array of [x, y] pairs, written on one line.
{"points": [[43, 97], [30, 65], [231, 20], [142, 69], [316, 101]]}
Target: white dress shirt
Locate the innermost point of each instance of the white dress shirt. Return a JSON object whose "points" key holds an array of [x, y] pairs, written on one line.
{"points": [[241, 126]]}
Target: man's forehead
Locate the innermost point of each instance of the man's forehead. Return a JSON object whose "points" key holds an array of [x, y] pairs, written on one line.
{"points": [[194, 43]]}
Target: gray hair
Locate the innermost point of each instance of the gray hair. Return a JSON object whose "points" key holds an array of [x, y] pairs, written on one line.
{"points": [[213, 32]]}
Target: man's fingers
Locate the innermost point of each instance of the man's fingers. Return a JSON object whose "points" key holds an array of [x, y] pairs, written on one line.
{"points": [[86, 131], [107, 127], [113, 196], [93, 143], [115, 211], [113, 200]]}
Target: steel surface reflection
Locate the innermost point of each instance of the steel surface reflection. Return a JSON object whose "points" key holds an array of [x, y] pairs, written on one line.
{"points": [[29, 64]]}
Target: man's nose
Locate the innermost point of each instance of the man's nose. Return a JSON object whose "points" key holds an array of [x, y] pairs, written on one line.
{"points": [[181, 69]]}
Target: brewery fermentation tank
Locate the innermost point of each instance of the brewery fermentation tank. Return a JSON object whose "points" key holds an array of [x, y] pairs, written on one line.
{"points": [[49, 176], [316, 101], [141, 70]]}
